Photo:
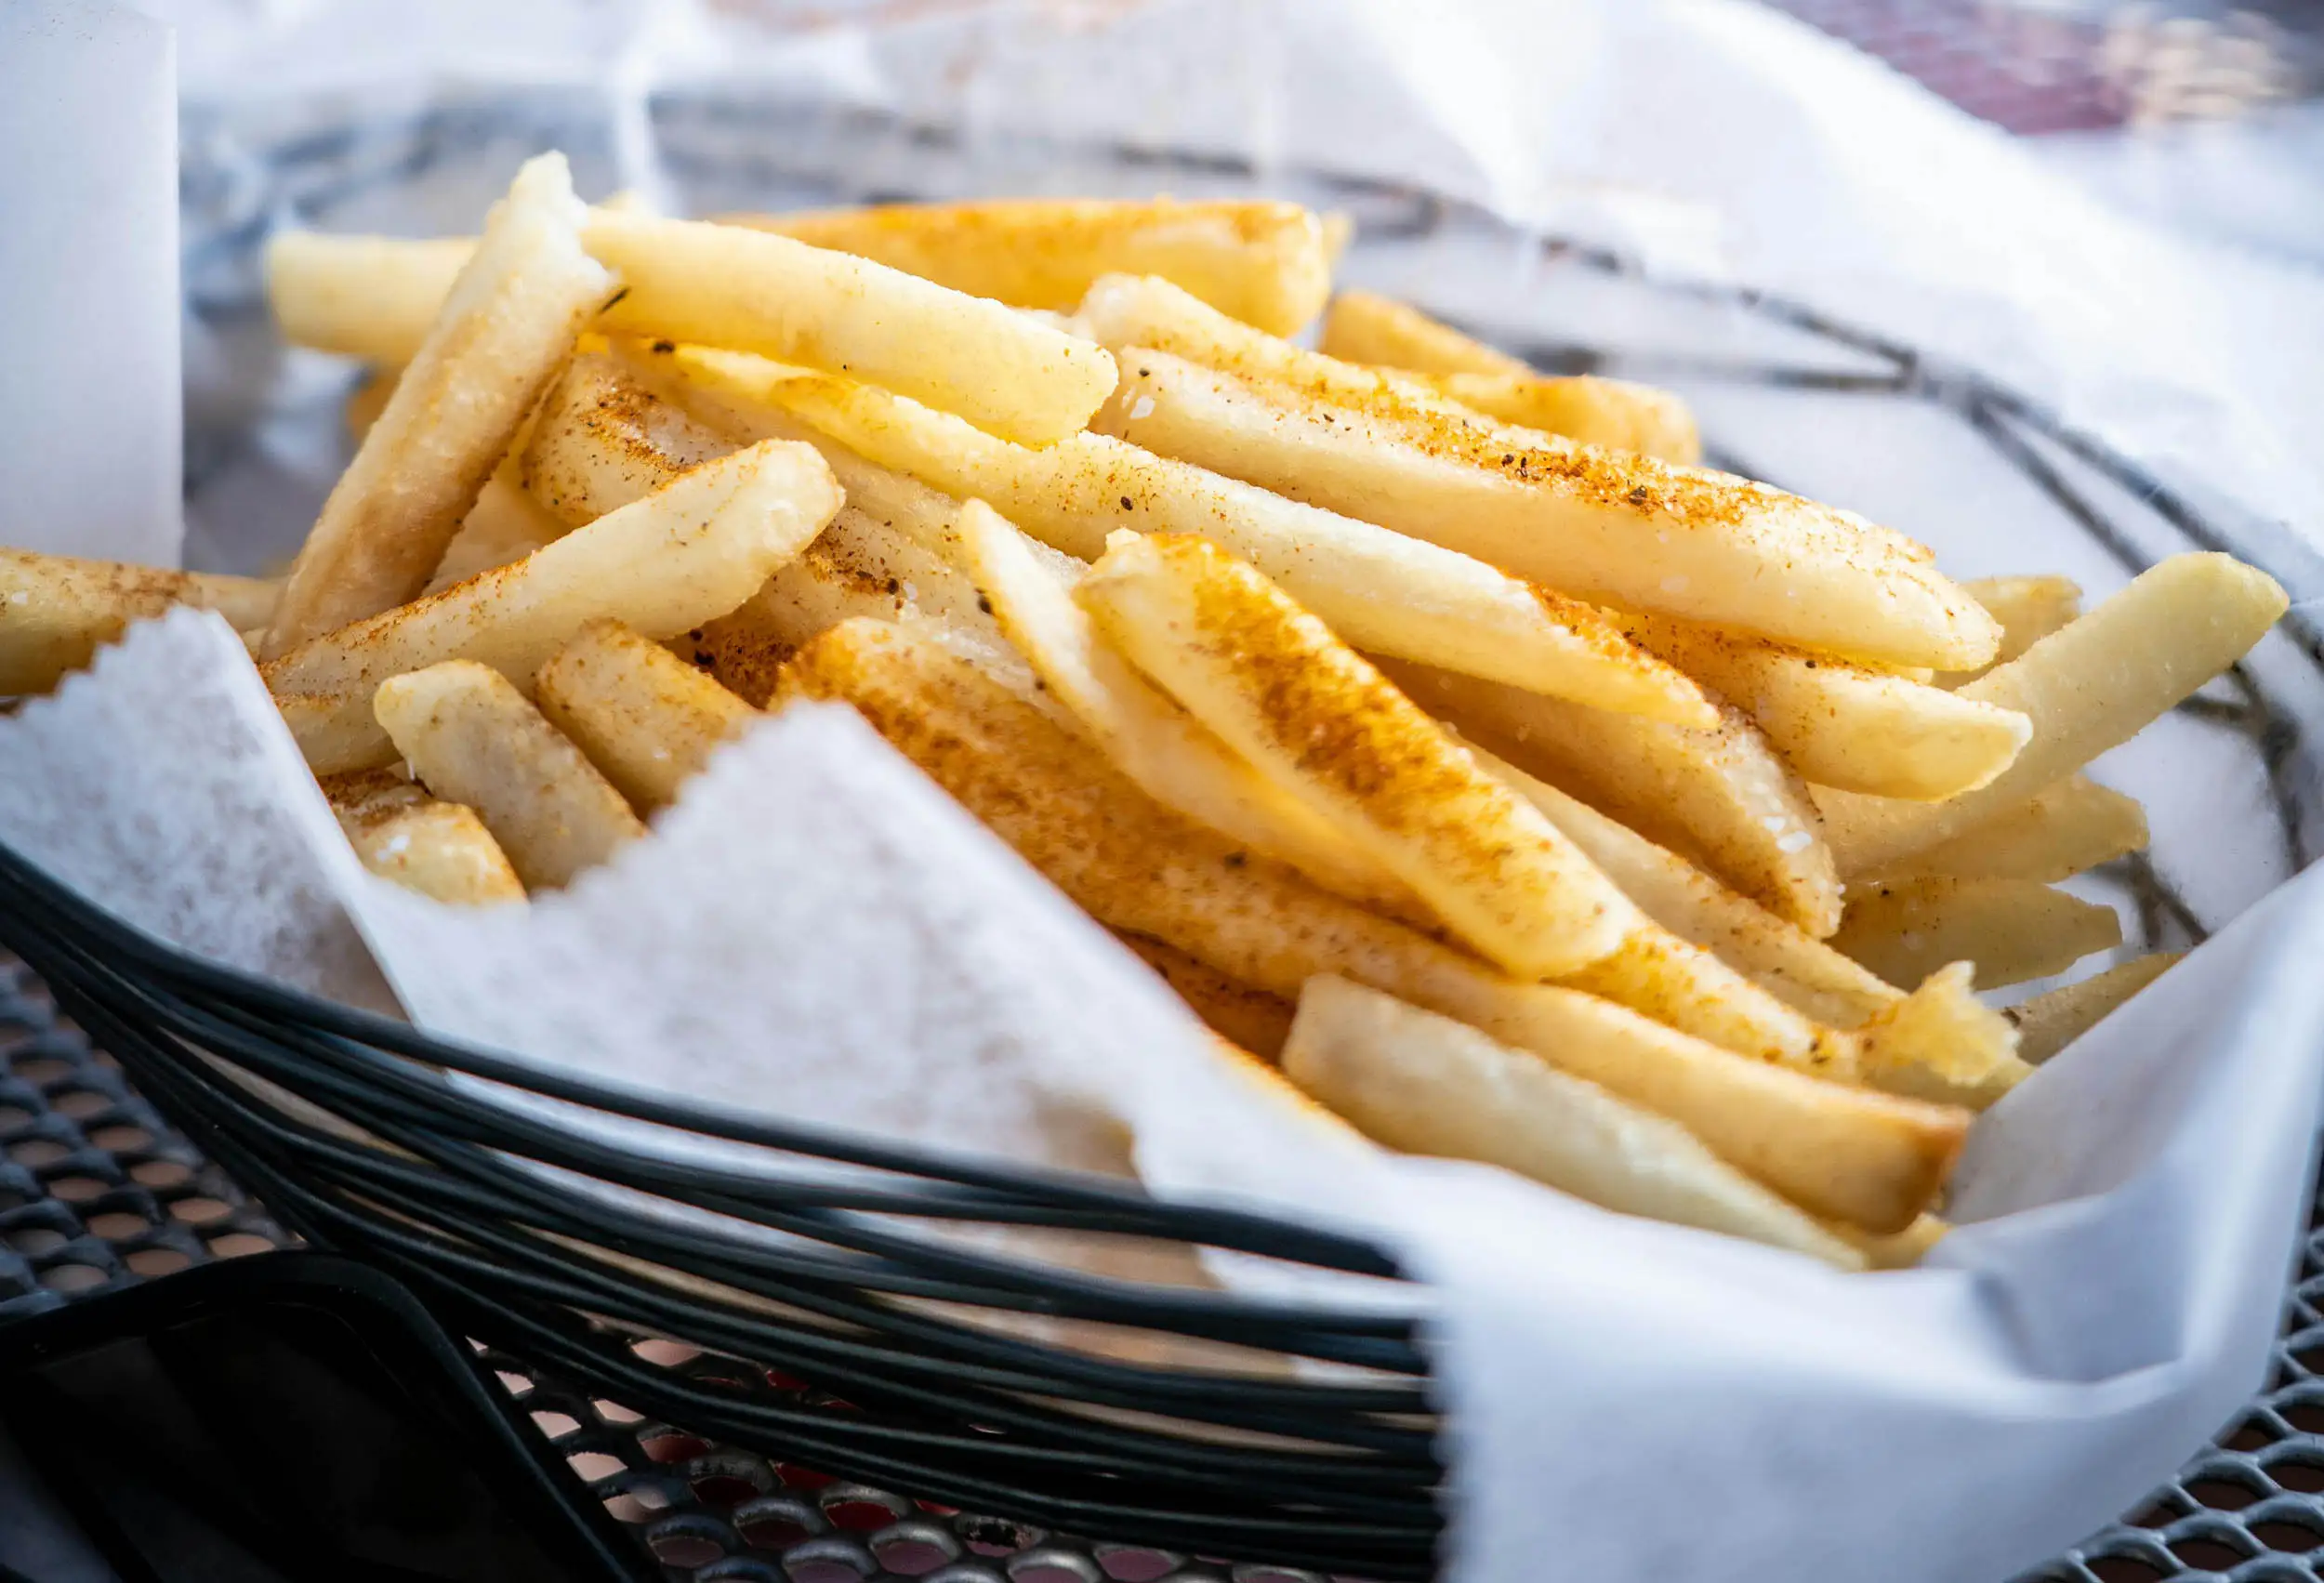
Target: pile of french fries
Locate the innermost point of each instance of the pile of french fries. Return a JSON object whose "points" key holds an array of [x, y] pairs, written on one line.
{"points": [[1441, 733]]}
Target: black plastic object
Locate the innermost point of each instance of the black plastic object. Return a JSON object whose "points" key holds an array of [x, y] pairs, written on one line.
{"points": [[285, 1417]]}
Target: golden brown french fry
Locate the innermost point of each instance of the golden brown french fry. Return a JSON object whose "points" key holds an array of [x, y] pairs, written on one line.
{"points": [[2047, 1024], [1381, 591], [1898, 1250], [505, 525], [2029, 609], [1681, 985], [2088, 687], [724, 286], [1252, 1020], [1778, 956], [664, 565], [511, 319], [471, 738], [646, 718], [367, 297], [602, 441], [1263, 263], [440, 850], [2009, 930], [1841, 725], [1941, 1043], [1428, 1084], [2055, 834], [1845, 1152], [1626, 530], [57, 611], [1720, 797], [1361, 326], [1309, 713]]}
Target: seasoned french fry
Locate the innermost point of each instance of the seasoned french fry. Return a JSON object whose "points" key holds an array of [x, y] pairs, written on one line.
{"points": [[1284, 693], [1778, 956], [367, 297], [509, 320], [1941, 1043], [1719, 796], [664, 565], [647, 720], [471, 738], [1263, 263], [2055, 834], [2088, 687], [1171, 755], [1252, 1020], [2047, 1024], [2009, 930], [724, 286], [440, 850], [2029, 609], [57, 611], [1424, 1083], [1629, 531], [1381, 591], [1845, 1152], [601, 440], [505, 525], [1360, 326], [1841, 725]]}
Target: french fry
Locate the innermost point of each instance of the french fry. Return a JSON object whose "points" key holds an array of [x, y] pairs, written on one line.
{"points": [[647, 720], [601, 440], [2088, 687], [1838, 724], [1360, 326], [1778, 956], [1382, 590], [1251, 1019], [1623, 530], [440, 850], [1848, 1153], [2029, 609], [509, 320], [664, 565], [1721, 798], [1941, 1043], [2049, 1023], [367, 297], [724, 286], [2060, 831], [1897, 1250], [57, 611], [1285, 693], [1263, 263], [1171, 755], [1428, 1084], [2009, 930], [471, 738]]}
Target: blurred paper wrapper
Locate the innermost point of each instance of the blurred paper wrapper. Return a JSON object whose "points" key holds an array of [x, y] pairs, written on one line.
{"points": [[2127, 1215]]}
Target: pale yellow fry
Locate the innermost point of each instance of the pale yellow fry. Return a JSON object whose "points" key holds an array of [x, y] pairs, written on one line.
{"points": [[57, 611], [1381, 591], [2088, 687], [2029, 609], [1839, 724], [1264, 263], [602, 441], [2054, 835], [1308, 711], [1625, 530], [1613, 414], [1684, 986], [1774, 953], [1360, 326], [665, 565], [1941, 1043], [505, 525], [1135, 866], [1719, 796], [2049, 1023], [510, 319], [2009, 930], [1253, 1020], [440, 850], [1428, 1084], [646, 718], [724, 286], [471, 737], [1172, 756], [367, 297]]}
